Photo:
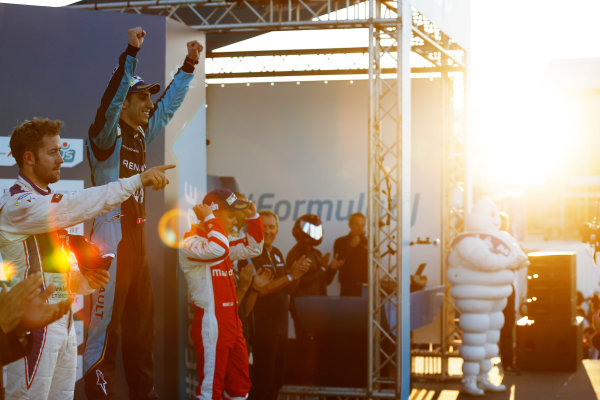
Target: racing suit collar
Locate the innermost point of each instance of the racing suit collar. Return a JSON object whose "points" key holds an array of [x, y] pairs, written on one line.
{"points": [[34, 186]]}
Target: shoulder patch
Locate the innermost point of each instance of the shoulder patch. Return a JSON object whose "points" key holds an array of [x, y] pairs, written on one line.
{"points": [[56, 197], [15, 189], [21, 197]]}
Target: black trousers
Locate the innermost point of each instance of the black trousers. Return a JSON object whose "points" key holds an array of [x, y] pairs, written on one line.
{"points": [[306, 351], [507, 333], [268, 353]]}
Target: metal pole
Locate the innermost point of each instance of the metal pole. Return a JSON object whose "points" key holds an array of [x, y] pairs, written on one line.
{"points": [[403, 379], [372, 217], [446, 230]]}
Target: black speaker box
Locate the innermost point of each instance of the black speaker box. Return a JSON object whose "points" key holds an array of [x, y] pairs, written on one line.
{"points": [[551, 287], [545, 308], [549, 346], [340, 361]]}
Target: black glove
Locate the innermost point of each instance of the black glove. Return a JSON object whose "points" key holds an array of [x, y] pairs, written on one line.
{"points": [[88, 255]]}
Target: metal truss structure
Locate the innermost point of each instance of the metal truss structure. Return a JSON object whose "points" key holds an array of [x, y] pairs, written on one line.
{"points": [[386, 60], [389, 201], [454, 203], [270, 64]]}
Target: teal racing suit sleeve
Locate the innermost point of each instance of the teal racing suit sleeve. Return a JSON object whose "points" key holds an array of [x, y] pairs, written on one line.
{"points": [[104, 130], [169, 101]]}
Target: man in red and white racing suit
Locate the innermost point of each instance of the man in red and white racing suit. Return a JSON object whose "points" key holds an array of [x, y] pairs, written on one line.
{"points": [[31, 220], [206, 259]]}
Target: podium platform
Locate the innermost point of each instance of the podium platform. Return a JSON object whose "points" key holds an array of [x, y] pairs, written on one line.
{"points": [[335, 314], [339, 328]]}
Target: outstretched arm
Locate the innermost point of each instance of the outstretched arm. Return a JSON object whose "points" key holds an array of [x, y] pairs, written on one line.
{"points": [[104, 129], [172, 98], [38, 214]]}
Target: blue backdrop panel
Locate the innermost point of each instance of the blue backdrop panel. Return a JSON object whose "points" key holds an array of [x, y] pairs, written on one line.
{"points": [[56, 62]]}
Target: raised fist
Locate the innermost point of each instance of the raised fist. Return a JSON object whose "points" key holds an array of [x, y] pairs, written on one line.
{"points": [[194, 49], [249, 211], [202, 211], [136, 36]]}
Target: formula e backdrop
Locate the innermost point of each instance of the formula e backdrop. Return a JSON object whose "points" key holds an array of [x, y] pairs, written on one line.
{"points": [[302, 148], [56, 63]]}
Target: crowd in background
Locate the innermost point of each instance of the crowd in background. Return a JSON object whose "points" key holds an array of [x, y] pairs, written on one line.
{"points": [[305, 271], [589, 309]]}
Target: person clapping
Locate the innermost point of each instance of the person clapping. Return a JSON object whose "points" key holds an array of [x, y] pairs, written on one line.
{"points": [[22, 309]]}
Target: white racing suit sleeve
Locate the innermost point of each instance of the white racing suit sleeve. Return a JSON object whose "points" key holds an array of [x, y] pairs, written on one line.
{"points": [[34, 215], [250, 245]]}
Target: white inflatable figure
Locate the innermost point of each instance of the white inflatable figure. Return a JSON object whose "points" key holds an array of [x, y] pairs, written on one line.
{"points": [[481, 265]]}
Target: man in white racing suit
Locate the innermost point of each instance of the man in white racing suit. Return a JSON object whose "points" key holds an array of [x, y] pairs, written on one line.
{"points": [[32, 218]]}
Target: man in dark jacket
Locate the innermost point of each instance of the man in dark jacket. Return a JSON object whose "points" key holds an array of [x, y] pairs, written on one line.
{"points": [[270, 315], [352, 249]]}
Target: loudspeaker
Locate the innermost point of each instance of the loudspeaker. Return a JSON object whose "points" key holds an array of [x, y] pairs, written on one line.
{"points": [[339, 361], [549, 346], [551, 287]]}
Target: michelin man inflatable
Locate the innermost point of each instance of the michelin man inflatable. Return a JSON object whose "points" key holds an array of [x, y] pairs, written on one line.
{"points": [[481, 265]]}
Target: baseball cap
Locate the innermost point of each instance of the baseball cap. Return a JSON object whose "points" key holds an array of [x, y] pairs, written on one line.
{"points": [[137, 84], [224, 199]]}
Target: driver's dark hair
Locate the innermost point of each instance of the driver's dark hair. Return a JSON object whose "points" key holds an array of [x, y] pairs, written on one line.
{"points": [[357, 215], [28, 136]]}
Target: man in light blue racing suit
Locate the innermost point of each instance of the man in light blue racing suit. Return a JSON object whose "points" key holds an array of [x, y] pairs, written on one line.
{"points": [[126, 121]]}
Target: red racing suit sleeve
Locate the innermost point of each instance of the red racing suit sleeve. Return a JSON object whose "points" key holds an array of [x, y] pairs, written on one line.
{"points": [[209, 245], [250, 245]]}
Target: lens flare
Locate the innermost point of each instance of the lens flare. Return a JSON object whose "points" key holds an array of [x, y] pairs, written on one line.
{"points": [[172, 226], [60, 261], [7, 271], [57, 260]]}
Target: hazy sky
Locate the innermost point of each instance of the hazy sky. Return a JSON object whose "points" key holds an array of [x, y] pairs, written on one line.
{"points": [[512, 42]]}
